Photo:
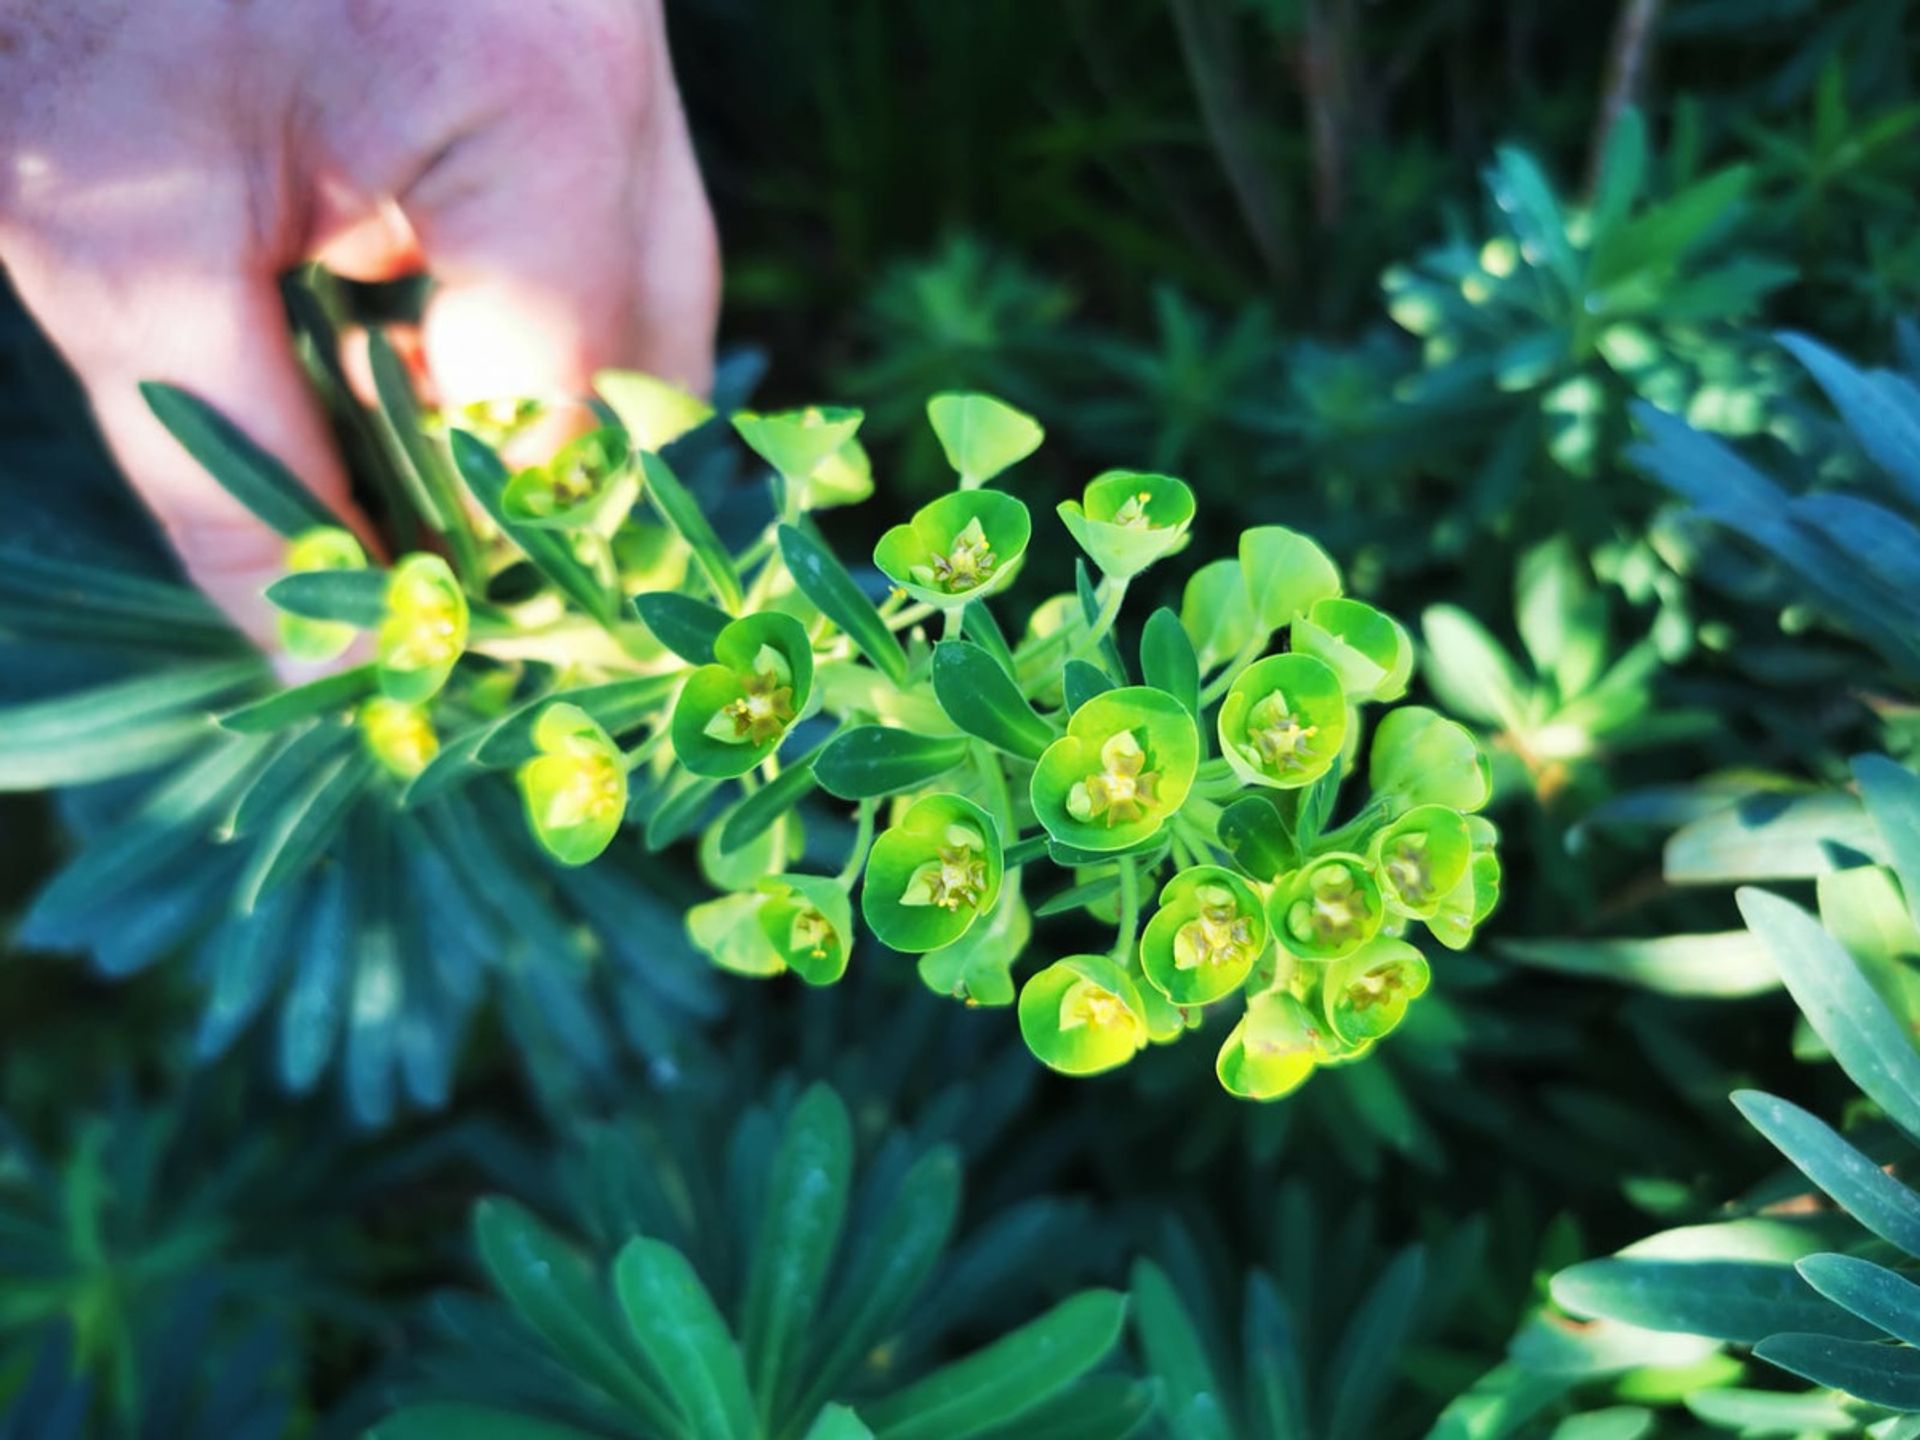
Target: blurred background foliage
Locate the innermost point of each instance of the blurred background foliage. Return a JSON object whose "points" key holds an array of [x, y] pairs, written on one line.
{"points": [[1489, 296]]}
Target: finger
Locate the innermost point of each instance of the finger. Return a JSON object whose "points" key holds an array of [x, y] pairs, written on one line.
{"points": [[223, 337]]}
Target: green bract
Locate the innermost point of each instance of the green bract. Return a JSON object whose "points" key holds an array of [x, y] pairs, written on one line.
{"points": [[734, 713], [1367, 994], [1128, 519], [808, 920], [1420, 758], [798, 442], [981, 435], [934, 872], [1328, 908], [1421, 857], [728, 932], [1120, 772], [425, 629], [400, 736], [1273, 1049], [1283, 721], [1082, 1015], [575, 788], [961, 547], [653, 412], [1203, 940], [325, 547], [588, 485], [1368, 649], [1478, 891]]}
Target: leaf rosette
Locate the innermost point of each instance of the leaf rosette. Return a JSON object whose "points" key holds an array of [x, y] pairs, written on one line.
{"points": [[961, 547], [734, 713], [932, 874], [1201, 944], [1120, 772], [1283, 721], [1128, 519], [1082, 1015]]}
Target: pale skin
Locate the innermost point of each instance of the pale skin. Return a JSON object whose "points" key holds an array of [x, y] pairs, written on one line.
{"points": [[162, 162]]}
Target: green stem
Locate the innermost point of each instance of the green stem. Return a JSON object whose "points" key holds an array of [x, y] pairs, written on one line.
{"points": [[862, 842], [644, 751], [912, 615], [1129, 911], [956, 618], [1217, 686], [1115, 591]]}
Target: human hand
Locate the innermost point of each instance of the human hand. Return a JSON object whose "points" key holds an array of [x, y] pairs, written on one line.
{"points": [[162, 162]]}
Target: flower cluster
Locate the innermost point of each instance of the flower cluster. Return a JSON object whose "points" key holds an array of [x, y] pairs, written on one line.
{"points": [[1185, 787]]}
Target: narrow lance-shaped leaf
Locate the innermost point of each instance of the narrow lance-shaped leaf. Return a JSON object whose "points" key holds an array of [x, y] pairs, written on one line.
{"points": [[680, 510], [977, 696], [680, 1330], [1892, 796], [825, 581], [351, 597], [686, 626], [247, 472], [868, 761]]}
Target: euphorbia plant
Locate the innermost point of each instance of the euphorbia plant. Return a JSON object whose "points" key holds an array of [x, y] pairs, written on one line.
{"points": [[1202, 764]]}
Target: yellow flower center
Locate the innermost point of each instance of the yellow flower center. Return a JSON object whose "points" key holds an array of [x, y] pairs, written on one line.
{"points": [[968, 563], [956, 876], [592, 793], [1376, 987], [813, 933], [1133, 513], [1094, 1007], [1123, 790], [764, 708], [1218, 935], [1336, 909], [1276, 739]]}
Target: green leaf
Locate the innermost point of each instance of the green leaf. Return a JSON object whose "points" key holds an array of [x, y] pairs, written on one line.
{"points": [[679, 509], [1738, 1300], [1883, 1299], [752, 817], [825, 581], [1252, 828], [1879, 1374], [1859, 1186], [351, 597], [470, 1422], [806, 1205], [1177, 1356], [676, 814], [248, 473], [1371, 1346], [837, 1422], [977, 696], [299, 831], [1892, 796], [1727, 964], [1080, 682], [327, 695], [1007, 1379], [868, 761], [548, 551], [1469, 671], [982, 436], [686, 626], [1772, 1412], [1098, 1407], [680, 1330], [1844, 1009], [1881, 408], [1168, 660], [1616, 1422], [1772, 837]]}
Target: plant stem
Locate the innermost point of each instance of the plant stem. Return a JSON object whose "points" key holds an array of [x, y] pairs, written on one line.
{"points": [[1113, 592], [862, 842], [956, 618], [1129, 911], [1218, 686]]}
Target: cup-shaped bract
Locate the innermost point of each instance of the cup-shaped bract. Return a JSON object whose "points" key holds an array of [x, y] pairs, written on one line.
{"points": [[1422, 758], [649, 557], [1082, 1015], [1328, 908], [1366, 995], [981, 435], [808, 920], [727, 931], [653, 412], [1203, 940], [1283, 721], [325, 547], [734, 713], [424, 630], [844, 478], [931, 874], [589, 484], [798, 442], [1421, 857], [1473, 899], [398, 735], [575, 786], [1128, 519], [1273, 1049], [1367, 648], [961, 547], [1120, 772]]}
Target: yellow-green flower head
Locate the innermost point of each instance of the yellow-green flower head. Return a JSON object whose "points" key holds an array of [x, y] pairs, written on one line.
{"points": [[590, 483], [1122, 769], [1328, 908], [932, 874], [734, 713], [1082, 1015], [425, 629], [1283, 721], [1420, 858], [1367, 649], [1478, 891], [398, 735], [1422, 758], [575, 787], [1127, 520], [1272, 1051], [798, 442], [1366, 994], [323, 548], [1203, 941], [981, 436], [808, 921], [962, 547]]}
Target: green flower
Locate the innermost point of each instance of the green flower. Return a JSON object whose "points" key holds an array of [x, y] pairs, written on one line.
{"points": [[1328, 908], [398, 735], [425, 629], [1273, 1049], [961, 547], [575, 788], [844, 478], [808, 921], [1127, 520], [1422, 758], [931, 874], [648, 557], [1421, 857], [981, 435], [1478, 891], [1368, 649], [588, 485], [733, 714], [653, 412], [798, 442], [323, 548], [1202, 941], [1283, 721], [1121, 770], [1367, 994], [1082, 1015], [727, 931]]}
